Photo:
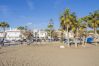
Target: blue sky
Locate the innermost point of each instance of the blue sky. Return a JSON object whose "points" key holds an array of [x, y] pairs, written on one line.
{"points": [[37, 13]]}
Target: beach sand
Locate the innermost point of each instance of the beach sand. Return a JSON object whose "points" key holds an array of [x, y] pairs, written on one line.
{"points": [[49, 55]]}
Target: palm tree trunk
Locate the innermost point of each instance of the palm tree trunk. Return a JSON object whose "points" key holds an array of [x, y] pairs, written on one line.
{"points": [[83, 42], [76, 38], [4, 36], [77, 32], [68, 36], [86, 29], [95, 32], [75, 42], [61, 37], [95, 28], [50, 36]]}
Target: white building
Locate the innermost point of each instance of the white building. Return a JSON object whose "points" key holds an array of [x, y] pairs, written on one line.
{"points": [[42, 34], [13, 34], [1, 34], [71, 34], [35, 33], [39, 33]]}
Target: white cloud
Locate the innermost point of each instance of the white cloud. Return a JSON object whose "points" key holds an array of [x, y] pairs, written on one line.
{"points": [[30, 23], [30, 4]]}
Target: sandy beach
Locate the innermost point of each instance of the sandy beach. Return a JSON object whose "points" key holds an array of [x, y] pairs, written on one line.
{"points": [[49, 55]]}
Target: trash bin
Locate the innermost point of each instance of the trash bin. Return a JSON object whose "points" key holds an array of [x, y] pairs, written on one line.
{"points": [[89, 39]]}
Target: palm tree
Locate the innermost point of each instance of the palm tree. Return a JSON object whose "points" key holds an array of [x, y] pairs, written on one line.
{"points": [[84, 28], [94, 20], [4, 25], [66, 22], [85, 19], [83, 32], [75, 28]]}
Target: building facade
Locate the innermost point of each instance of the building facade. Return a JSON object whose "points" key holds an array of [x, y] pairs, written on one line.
{"points": [[42, 34], [13, 34]]}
